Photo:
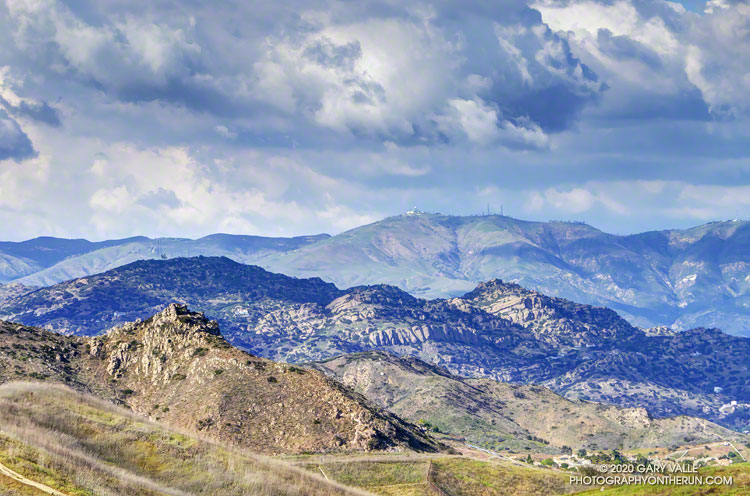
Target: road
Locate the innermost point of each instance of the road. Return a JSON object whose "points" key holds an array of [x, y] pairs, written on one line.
{"points": [[23, 480]]}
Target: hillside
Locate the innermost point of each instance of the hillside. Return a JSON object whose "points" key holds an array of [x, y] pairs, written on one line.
{"points": [[90, 305], [499, 331], [158, 367], [505, 416], [80, 445]]}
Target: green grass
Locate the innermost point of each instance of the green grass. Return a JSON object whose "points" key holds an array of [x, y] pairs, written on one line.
{"points": [[385, 473], [403, 475], [8, 486], [469, 477], [37, 466], [380, 475]]}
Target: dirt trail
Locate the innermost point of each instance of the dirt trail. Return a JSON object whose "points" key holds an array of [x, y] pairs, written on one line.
{"points": [[23, 480]]}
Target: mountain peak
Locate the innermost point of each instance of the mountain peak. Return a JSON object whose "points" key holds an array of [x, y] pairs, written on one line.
{"points": [[380, 293], [182, 320], [495, 286]]}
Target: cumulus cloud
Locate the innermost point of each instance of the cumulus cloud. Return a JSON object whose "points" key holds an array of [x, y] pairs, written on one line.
{"points": [[160, 198], [575, 200], [356, 70], [659, 49], [290, 117], [715, 60]]}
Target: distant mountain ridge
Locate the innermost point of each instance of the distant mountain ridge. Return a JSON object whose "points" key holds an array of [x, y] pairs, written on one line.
{"points": [[500, 331], [698, 277], [46, 260], [682, 278]]}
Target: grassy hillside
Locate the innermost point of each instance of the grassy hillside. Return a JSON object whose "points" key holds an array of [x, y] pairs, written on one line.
{"points": [[505, 416], [440, 476], [82, 446]]}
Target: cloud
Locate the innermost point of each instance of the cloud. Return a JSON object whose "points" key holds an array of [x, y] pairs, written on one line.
{"points": [[160, 197], [576, 200], [14, 143], [293, 117], [354, 71], [651, 48], [37, 111], [483, 124], [115, 200], [714, 61]]}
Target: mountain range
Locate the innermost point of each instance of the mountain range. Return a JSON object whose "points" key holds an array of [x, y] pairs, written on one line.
{"points": [[46, 260], [500, 331], [680, 279], [157, 367]]}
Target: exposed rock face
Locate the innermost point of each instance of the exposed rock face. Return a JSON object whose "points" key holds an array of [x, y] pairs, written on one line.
{"points": [[554, 320], [13, 290], [176, 367]]}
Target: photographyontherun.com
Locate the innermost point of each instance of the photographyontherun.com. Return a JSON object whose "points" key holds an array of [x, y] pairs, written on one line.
{"points": [[650, 480], [673, 474]]}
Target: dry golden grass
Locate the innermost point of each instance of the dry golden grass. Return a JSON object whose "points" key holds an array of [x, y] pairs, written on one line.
{"points": [[83, 446]]}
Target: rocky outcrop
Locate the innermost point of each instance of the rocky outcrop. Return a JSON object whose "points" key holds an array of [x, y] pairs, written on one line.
{"points": [[553, 320], [177, 368], [424, 333]]}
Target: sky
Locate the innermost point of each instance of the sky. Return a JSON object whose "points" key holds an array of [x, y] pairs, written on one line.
{"points": [[121, 118]]}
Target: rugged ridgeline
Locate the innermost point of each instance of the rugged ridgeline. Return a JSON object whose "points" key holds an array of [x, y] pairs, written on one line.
{"points": [[686, 278], [43, 261], [506, 416], [176, 367], [499, 331], [90, 305], [683, 278]]}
